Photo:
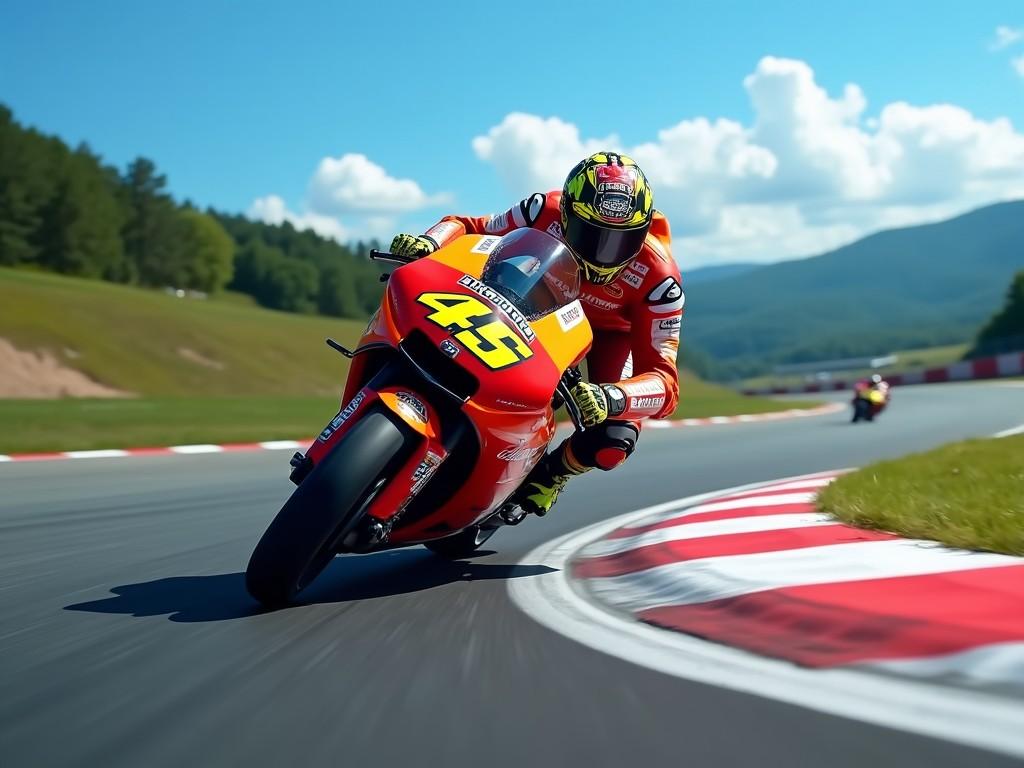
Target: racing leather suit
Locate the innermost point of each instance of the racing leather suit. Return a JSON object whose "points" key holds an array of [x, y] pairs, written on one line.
{"points": [[636, 320]]}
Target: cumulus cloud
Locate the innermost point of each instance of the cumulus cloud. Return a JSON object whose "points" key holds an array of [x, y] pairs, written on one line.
{"points": [[354, 187], [352, 183], [1018, 65], [273, 210], [811, 171], [1005, 37]]}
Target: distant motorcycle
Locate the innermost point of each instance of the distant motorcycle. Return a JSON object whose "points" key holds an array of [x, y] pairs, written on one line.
{"points": [[449, 404], [869, 400]]}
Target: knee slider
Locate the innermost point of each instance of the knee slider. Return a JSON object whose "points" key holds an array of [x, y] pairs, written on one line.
{"points": [[606, 445]]}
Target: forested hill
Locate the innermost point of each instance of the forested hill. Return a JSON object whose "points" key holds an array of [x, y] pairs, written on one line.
{"points": [[919, 286], [65, 210]]}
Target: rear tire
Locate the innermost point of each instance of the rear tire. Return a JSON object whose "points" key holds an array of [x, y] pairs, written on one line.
{"points": [[303, 538], [462, 544]]}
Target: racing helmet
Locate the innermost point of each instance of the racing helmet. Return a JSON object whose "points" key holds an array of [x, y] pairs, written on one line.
{"points": [[607, 207], [876, 379]]}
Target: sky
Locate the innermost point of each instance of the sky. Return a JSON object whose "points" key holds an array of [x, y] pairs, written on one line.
{"points": [[767, 130]]}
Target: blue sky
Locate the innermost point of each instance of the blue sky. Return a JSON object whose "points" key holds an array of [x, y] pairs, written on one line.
{"points": [[243, 101]]}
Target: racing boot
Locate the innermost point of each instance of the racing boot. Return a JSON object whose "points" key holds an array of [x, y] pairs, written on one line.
{"points": [[540, 489]]}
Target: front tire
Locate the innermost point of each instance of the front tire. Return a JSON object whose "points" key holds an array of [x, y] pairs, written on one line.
{"points": [[303, 538]]}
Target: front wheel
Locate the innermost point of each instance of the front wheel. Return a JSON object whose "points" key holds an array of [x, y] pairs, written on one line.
{"points": [[462, 544], [330, 501]]}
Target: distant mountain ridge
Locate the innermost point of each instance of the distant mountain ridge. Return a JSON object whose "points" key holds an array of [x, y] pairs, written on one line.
{"points": [[709, 274], [928, 284]]}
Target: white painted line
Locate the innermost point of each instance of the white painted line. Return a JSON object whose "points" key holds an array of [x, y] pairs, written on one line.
{"points": [[720, 419], [716, 578], [5, 457], [963, 716], [109, 453], [200, 448], [725, 527], [1011, 431], [280, 445], [691, 422]]}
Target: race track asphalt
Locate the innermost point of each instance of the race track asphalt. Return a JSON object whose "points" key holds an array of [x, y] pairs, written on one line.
{"points": [[127, 638]]}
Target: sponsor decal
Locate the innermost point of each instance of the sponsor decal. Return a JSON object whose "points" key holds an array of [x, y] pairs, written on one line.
{"points": [[666, 296], [521, 323], [615, 200], [497, 224], [570, 316], [343, 415], [531, 208], [642, 387], [640, 268], [632, 279], [600, 303], [520, 453], [412, 406], [555, 228], [646, 402], [511, 403], [424, 471], [613, 290], [449, 347], [485, 244], [444, 231]]}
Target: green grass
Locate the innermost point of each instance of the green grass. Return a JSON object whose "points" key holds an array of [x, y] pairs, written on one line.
{"points": [[698, 399], [274, 377], [908, 360], [129, 338], [85, 424], [968, 494]]}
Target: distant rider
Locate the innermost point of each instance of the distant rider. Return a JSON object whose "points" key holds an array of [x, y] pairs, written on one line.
{"points": [[632, 296]]}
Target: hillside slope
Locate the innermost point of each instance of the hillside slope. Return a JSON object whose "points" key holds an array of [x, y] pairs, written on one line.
{"points": [[907, 287], [150, 343]]}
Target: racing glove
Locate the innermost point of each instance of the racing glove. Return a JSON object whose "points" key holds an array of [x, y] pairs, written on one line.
{"points": [[413, 246], [597, 402]]}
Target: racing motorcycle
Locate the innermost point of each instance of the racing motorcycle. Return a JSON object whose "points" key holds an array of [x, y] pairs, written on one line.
{"points": [[449, 403], [868, 402]]}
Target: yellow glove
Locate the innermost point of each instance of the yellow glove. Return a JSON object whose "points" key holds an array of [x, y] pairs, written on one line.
{"points": [[597, 402], [412, 246]]}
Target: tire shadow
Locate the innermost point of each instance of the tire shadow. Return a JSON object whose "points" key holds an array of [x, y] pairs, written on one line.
{"points": [[348, 579]]}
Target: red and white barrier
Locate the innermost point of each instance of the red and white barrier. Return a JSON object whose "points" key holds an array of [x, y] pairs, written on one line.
{"points": [[1011, 364]]}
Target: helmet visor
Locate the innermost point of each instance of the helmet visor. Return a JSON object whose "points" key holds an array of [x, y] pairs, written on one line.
{"points": [[602, 247]]}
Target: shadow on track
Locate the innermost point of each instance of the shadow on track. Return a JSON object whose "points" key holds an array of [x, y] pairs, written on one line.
{"points": [[222, 596]]}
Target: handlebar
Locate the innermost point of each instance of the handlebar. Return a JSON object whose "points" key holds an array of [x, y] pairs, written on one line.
{"points": [[393, 258], [570, 379]]}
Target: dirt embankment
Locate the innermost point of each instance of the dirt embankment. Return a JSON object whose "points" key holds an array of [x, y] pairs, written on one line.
{"points": [[38, 374]]}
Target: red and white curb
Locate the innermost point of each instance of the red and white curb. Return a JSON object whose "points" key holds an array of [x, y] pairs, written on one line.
{"points": [[767, 596], [171, 450], [291, 445]]}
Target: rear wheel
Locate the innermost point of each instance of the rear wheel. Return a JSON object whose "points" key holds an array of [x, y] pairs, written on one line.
{"points": [[331, 500]]}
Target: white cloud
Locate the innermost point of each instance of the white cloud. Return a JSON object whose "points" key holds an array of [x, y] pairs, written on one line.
{"points": [[1018, 65], [273, 210], [352, 183], [811, 171], [356, 188], [1005, 37]]}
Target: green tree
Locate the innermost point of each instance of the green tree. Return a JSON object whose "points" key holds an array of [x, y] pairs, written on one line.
{"points": [[1005, 330], [338, 293], [80, 228], [210, 252], [154, 233]]}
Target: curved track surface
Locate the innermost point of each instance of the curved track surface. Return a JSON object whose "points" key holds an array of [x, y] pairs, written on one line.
{"points": [[127, 639]]}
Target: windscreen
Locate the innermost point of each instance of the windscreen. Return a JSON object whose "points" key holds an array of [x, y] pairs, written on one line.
{"points": [[534, 271]]}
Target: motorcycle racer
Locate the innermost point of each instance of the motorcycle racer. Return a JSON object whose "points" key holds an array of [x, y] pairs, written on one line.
{"points": [[631, 294]]}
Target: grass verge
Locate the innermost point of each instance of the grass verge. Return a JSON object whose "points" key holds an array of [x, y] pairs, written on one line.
{"points": [[968, 494], [28, 426]]}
